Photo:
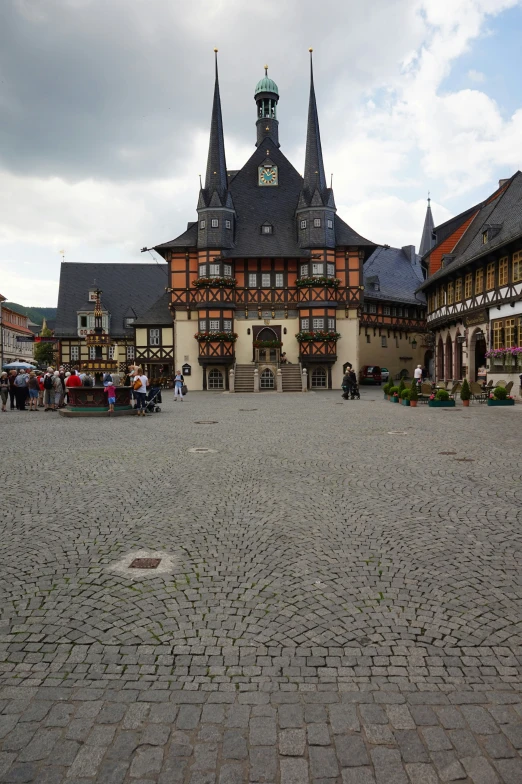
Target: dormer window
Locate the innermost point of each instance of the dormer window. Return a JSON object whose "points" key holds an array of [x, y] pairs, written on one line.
{"points": [[329, 223], [215, 223], [303, 224], [317, 223], [202, 224], [267, 228], [490, 230], [484, 237], [228, 224], [129, 321], [83, 321]]}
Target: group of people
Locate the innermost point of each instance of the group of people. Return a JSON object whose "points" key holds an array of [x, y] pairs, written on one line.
{"points": [[349, 383]]}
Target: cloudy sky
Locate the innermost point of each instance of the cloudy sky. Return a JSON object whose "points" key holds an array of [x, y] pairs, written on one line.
{"points": [[105, 108]]}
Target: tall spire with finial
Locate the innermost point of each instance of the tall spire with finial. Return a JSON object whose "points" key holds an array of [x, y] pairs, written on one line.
{"points": [[427, 240], [314, 176], [216, 176]]}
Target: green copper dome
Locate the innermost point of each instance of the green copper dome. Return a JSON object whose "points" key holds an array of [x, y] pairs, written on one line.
{"points": [[266, 85]]}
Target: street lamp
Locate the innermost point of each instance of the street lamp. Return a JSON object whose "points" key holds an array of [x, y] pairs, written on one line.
{"points": [[414, 344]]}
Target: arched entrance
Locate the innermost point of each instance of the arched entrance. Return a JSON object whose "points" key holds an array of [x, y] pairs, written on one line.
{"points": [[440, 360], [429, 363], [319, 378], [448, 360], [267, 353], [266, 379], [476, 353], [458, 357]]}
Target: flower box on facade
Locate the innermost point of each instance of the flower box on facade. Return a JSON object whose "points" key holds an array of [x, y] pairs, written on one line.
{"points": [[220, 283], [322, 281], [509, 402], [441, 403]]}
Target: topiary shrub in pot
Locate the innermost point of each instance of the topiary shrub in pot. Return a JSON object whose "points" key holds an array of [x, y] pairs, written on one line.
{"points": [[465, 393], [405, 397], [402, 387], [394, 394], [414, 395], [441, 400], [500, 397], [386, 390], [500, 393]]}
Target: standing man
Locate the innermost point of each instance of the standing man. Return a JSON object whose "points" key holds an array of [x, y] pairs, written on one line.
{"points": [[12, 378], [140, 391], [417, 375], [21, 390]]}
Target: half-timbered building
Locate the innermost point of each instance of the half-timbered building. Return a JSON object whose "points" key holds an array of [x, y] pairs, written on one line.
{"points": [[154, 340], [127, 293], [268, 267], [475, 294]]}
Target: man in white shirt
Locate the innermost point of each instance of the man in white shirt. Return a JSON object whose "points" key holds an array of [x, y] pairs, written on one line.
{"points": [[140, 393], [417, 374]]}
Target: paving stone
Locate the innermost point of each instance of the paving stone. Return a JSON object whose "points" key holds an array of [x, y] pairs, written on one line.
{"points": [[479, 720], [419, 773], [20, 773], [388, 767], [379, 734], [205, 756], [147, 761], [112, 772], [411, 747], [343, 718], [262, 732], [464, 743], [323, 762], [435, 738], [234, 745], [510, 770], [448, 766], [41, 746], [351, 751], [292, 742], [86, 762], [358, 776], [514, 733], [293, 771], [400, 717], [232, 774], [318, 735], [479, 770], [373, 714], [497, 746], [290, 716], [263, 764]]}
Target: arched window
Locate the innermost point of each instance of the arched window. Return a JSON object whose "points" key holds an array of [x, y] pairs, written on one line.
{"points": [[215, 379], [319, 378], [266, 380]]}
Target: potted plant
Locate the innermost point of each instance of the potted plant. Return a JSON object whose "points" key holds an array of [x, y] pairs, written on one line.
{"points": [[394, 394], [414, 394], [465, 393], [405, 397], [385, 390], [500, 397], [441, 400], [402, 387]]}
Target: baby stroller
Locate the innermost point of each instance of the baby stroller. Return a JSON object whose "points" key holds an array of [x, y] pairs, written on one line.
{"points": [[153, 399], [351, 391]]}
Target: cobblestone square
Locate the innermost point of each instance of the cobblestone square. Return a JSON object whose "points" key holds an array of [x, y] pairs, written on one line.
{"points": [[337, 599]]}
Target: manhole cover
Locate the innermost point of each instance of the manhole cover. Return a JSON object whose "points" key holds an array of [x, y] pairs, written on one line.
{"points": [[397, 433], [145, 563], [206, 422], [447, 453], [464, 459], [200, 450]]}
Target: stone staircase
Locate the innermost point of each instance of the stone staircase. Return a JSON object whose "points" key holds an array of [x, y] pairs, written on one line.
{"points": [[291, 378], [244, 378]]}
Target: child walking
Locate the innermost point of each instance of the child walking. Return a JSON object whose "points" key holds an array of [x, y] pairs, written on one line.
{"points": [[110, 390]]}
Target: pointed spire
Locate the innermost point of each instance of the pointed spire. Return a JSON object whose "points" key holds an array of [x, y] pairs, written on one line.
{"points": [[216, 176], [427, 232], [314, 176]]}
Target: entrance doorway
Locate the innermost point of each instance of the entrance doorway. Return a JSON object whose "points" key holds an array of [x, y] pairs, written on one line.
{"points": [[429, 364], [267, 344], [477, 353], [266, 379]]}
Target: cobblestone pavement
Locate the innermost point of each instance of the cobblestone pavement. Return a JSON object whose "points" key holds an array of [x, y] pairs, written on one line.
{"points": [[340, 601]]}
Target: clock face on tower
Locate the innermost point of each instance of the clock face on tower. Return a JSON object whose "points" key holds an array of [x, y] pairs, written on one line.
{"points": [[267, 175]]}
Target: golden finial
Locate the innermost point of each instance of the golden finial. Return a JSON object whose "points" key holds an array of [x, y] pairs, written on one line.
{"points": [[216, 49], [266, 70], [310, 50]]}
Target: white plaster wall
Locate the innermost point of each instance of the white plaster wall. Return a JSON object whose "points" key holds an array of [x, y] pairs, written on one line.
{"points": [[347, 345], [243, 346], [186, 346]]}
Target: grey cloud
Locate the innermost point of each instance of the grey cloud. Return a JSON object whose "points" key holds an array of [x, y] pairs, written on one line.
{"points": [[117, 89]]}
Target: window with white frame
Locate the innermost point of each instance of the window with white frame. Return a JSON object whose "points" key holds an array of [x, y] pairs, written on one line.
{"points": [[227, 270], [227, 325], [202, 270], [406, 312], [317, 270], [215, 223], [215, 379], [252, 280], [130, 352], [92, 352], [394, 311], [304, 270], [317, 223], [319, 378], [386, 310], [372, 308], [331, 323], [384, 341], [267, 228], [214, 325], [112, 349], [228, 224], [265, 279], [75, 353], [318, 323], [330, 224], [305, 324], [399, 311], [202, 224], [330, 270], [213, 270], [279, 280], [202, 325], [154, 337], [303, 224]]}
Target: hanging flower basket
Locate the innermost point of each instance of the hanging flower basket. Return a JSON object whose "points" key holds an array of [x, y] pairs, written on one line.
{"points": [[333, 283], [332, 337], [207, 337], [220, 283]]}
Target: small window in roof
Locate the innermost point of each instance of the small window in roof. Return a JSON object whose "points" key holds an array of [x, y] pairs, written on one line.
{"points": [[267, 228]]}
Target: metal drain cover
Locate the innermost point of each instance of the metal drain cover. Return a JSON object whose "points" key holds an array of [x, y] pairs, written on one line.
{"points": [[205, 422], [145, 563], [397, 433], [199, 450], [248, 409], [464, 459], [447, 453]]}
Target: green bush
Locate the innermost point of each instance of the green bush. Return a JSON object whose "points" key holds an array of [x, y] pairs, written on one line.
{"points": [[405, 394], [500, 393], [465, 393], [402, 387], [414, 392], [442, 395], [386, 388], [393, 390]]}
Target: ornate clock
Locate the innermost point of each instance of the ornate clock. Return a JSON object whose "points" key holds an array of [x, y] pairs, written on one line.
{"points": [[267, 175]]}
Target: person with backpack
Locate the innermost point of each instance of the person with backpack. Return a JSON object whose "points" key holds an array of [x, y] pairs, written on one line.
{"points": [[139, 386], [48, 383], [21, 390]]}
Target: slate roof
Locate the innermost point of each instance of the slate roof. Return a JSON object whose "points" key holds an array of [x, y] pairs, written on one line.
{"points": [[157, 314], [125, 287], [504, 210], [398, 276], [256, 205]]}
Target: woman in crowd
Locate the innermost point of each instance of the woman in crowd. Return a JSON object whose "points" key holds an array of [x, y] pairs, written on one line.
{"points": [[34, 391], [4, 389]]}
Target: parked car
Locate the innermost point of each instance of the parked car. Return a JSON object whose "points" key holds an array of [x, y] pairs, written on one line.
{"points": [[385, 375], [370, 374]]}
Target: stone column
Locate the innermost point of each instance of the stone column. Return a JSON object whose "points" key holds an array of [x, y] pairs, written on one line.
{"points": [[256, 380], [305, 380], [231, 380], [279, 380]]}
